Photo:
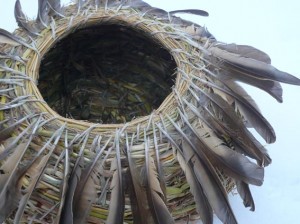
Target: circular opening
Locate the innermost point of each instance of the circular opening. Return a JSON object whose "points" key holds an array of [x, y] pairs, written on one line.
{"points": [[106, 74]]}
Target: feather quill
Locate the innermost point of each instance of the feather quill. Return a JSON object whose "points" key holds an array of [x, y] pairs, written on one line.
{"points": [[116, 201], [80, 4]]}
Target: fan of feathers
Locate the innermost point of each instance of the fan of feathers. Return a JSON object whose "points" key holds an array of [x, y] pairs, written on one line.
{"points": [[118, 112]]}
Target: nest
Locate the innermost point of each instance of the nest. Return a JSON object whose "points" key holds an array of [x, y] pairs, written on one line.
{"points": [[115, 111]]}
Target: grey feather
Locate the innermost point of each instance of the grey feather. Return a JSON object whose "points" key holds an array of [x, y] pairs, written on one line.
{"points": [[116, 207], [212, 187], [233, 163], [246, 51], [241, 134], [37, 172], [9, 38], [202, 205], [22, 20], [55, 8], [209, 181], [207, 178], [12, 57], [9, 177], [160, 211], [253, 116], [197, 12], [245, 193], [272, 87], [142, 213], [67, 215], [85, 192], [43, 14], [253, 67], [7, 132], [242, 140], [64, 184], [158, 164]]}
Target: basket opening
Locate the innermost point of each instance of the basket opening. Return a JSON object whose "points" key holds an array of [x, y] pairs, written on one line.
{"points": [[106, 74]]}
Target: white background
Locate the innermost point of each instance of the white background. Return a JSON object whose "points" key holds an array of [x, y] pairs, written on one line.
{"points": [[274, 27]]}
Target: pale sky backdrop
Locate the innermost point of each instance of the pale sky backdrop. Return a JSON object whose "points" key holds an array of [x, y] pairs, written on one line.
{"points": [[274, 27]]}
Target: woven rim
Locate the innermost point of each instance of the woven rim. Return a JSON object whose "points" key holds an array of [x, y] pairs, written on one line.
{"points": [[164, 34]]}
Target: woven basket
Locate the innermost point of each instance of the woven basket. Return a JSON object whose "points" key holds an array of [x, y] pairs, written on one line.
{"points": [[125, 113]]}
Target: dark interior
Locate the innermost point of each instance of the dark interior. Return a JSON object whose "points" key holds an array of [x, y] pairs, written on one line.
{"points": [[106, 74]]}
